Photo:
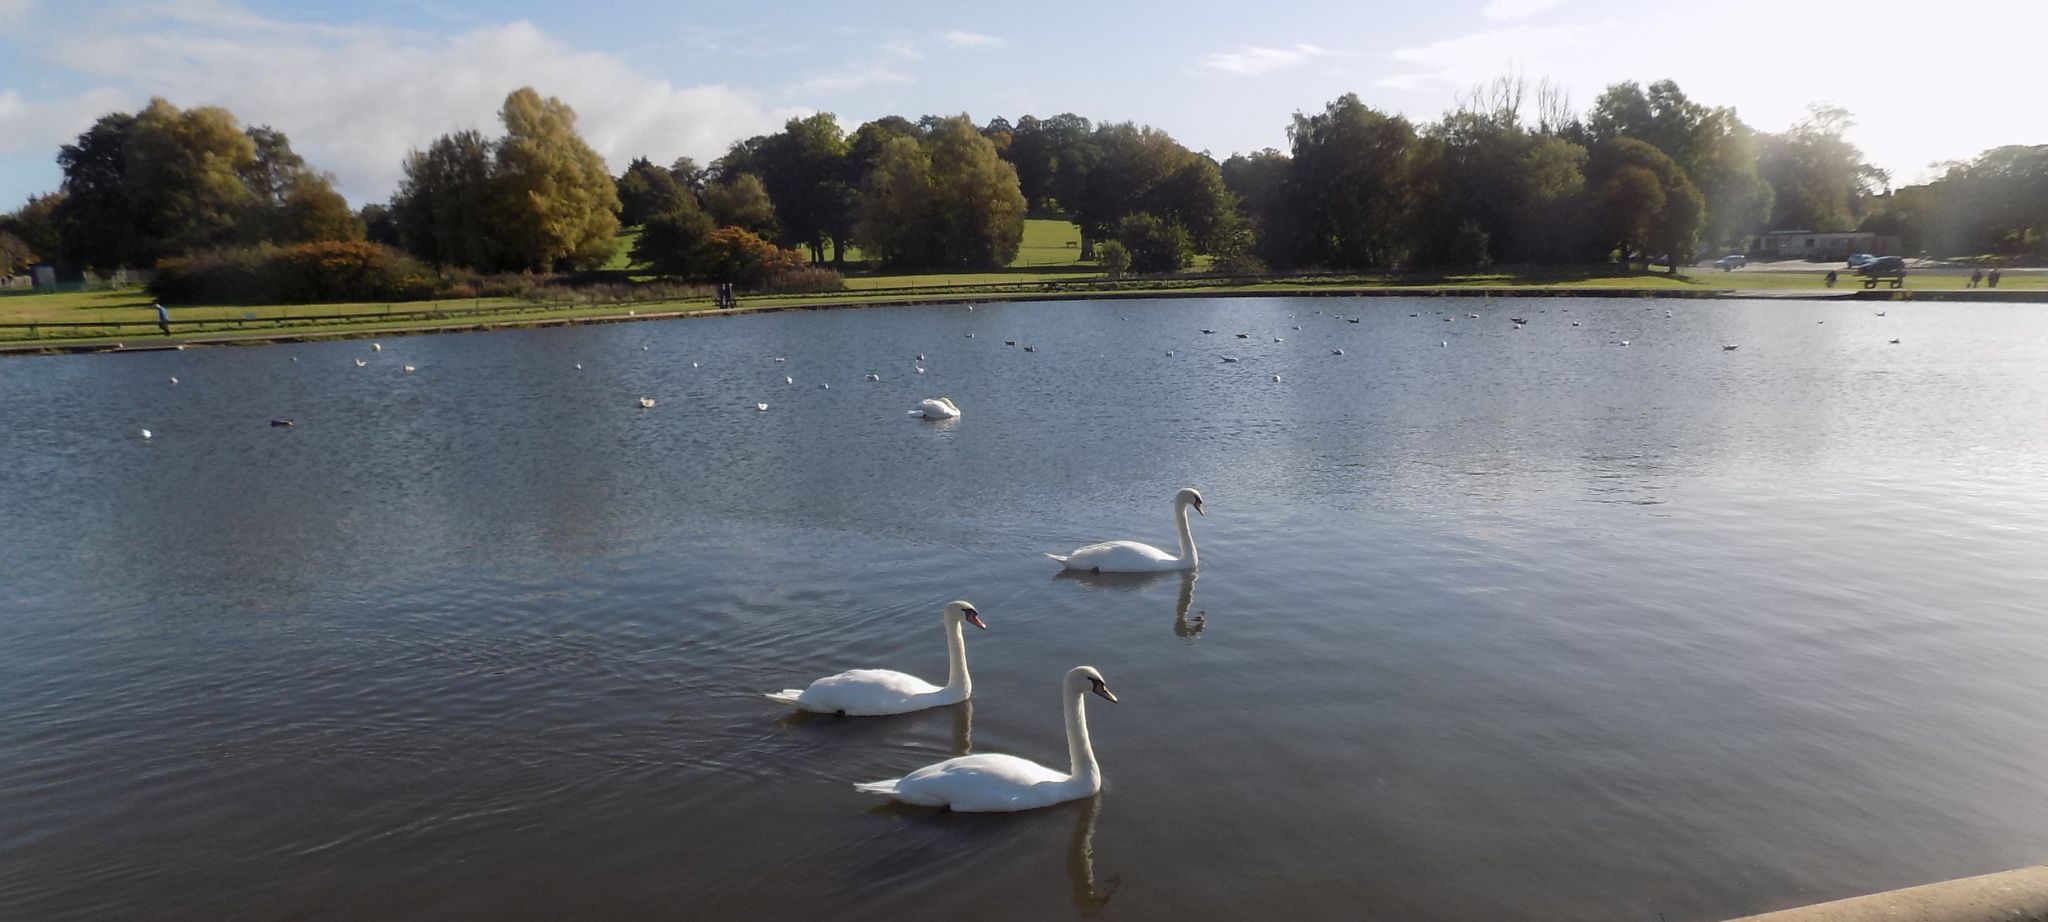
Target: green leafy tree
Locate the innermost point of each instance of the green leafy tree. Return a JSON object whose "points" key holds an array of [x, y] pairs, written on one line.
{"points": [[1052, 157], [1644, 202], [1820, 180], [166, 181], [1237, 254], [95, 214], [741, 201], [947, 201], [1350, 190], [184, 178], [445, 207], [808, 172], [293, 203], [1551, 222], [557, 202], [1711, 145], [35, 224], [1258, 181], [1136, 169], [1996, 203], [379, 225], [1155, 245], [672, 243], [646, 190]]}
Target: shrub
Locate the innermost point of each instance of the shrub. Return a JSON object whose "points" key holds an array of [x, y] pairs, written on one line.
{"points": [[1114, 258], [802, 280], [305, 273], [1155, 245], [730, 254]]}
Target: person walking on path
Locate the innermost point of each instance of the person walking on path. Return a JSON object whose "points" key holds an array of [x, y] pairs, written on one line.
{"points": [[1976, 275], [163, 318], [1992, 279]]}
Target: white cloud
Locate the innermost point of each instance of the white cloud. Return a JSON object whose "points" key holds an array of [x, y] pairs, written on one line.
{"points": [[355, 99], [1517, 9], [1254, 60], [868, 73], [962, 39], [1466, 60]]}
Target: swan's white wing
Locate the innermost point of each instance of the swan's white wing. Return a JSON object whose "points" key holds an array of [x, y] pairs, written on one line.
{"points": [[938, 408], [868, 692], [983, 783], [1121, 557]]}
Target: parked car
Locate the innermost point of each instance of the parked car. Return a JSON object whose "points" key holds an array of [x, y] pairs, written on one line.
{"points": [[1881, 268], [1731, 261], [1860, 260]]}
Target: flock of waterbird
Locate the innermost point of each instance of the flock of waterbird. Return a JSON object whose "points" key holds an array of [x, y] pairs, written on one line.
{"points": [[943, 408], [991, 782]]}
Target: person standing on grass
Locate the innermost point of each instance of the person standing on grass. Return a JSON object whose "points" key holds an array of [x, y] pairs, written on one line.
{"points": [[1992, 279], [163, 318], [1976, 275]]}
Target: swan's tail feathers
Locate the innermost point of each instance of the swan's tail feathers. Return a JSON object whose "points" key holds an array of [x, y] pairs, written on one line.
{"points": [[785, 696], [884, 788], [1057, 557]]}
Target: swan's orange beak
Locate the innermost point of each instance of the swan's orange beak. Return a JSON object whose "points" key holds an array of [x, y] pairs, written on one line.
{"points": [[1103, 690], [974, 618]]}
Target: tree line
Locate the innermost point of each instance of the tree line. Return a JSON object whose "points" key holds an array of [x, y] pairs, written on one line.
{"points": [[1511, 174]]}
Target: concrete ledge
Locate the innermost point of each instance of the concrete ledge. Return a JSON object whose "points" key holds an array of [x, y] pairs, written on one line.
{"points": [[2009, 896]]}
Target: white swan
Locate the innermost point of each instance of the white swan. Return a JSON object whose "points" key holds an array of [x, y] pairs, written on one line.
{"points": [[1132, 557], [874, 692], [989, 783], [937, 408]]}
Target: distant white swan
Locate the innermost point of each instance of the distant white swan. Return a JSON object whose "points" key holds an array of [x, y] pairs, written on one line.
{"points": [[647, 403], [761, 407], [360, 363], [875, 692], [937, 408], [990, 783], [1132, 557]]}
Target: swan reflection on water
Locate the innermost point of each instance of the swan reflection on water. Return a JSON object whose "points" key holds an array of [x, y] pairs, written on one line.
{"points": [[959, 716], [1088, 894], [1183, 626]]}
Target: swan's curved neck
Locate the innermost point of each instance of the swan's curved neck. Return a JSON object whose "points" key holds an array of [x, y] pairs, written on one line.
{"points": [[1080, 753], [1187, 535], [956, 660]]}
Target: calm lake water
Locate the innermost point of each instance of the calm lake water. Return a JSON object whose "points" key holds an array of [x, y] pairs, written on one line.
{"points": [[1531, 625]]}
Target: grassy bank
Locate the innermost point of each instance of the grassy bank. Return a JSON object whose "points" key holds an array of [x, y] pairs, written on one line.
{"points": [[1048, 265]]}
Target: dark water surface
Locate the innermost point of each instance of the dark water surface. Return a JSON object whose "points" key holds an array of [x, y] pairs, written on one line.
{"points": [[1532, 625]]}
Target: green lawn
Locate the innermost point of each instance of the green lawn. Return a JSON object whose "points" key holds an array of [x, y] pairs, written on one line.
{"points": [[126, 313], [622, 246]]}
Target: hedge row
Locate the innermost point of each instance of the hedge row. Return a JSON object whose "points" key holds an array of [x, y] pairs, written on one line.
{"points": [[305, 273]]}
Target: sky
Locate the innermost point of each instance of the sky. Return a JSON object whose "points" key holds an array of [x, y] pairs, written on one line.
{"points": [[357, 86]]}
